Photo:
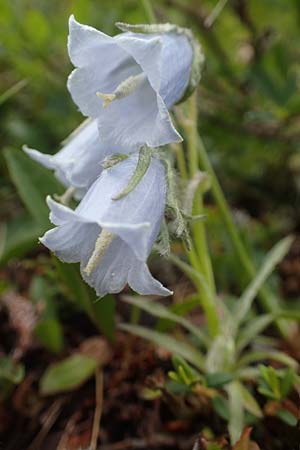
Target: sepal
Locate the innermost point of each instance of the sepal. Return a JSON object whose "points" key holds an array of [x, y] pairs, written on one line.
{"points": [[142, 166], [112, 160]]}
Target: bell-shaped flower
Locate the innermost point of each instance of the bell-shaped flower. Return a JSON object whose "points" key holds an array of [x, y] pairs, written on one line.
{"points": [[130, 81], [111, 238], [78, 163]]}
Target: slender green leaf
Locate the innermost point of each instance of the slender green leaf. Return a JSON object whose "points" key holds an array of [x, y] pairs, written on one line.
{"points": [[180, 309], [13, 90], [68, 374], [33, 183], [171, 344], [287, 382], [194, 275], [158, 310], [236, 411], [277, 253], [220, 405], [252, 329], [218, 379], [287, 417], [104, 315], [267, 355], [249, 402]]}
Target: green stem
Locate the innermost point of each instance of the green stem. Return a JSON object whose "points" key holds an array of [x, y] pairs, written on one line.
{"points": [[207, 297], [198, 228], [199, 255], [268, 300], [179, 152], [149, 11]]}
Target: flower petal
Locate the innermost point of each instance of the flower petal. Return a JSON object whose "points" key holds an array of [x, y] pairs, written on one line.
{"points": [[136, 218], [72, 242], [148, 123], [104, 62], [111, 275], [142, 282], [175, 67], [102, 66], [78, 163]]}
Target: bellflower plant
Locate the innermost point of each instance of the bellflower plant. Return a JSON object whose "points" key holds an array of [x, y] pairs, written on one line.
{"points": [[127, 85], [78, 163], [112, 238], [130, 81]]}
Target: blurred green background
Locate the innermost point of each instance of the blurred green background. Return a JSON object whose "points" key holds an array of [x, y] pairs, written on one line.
{"points": [[249, 102]]}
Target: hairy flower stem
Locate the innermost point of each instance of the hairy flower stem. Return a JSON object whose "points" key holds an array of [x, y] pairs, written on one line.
{"points": [[267, 299], [199, 256]]}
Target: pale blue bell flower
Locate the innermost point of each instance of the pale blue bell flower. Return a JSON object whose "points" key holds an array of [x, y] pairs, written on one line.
{"points": [[78, 163], [138, 78], [112, 239]]}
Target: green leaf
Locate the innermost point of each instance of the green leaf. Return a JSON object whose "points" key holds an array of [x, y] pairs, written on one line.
{"points": [[158, 310], [277, 253], [272, 355], [195, 276], [104, 315], [101, 312], [220, 405], [33, 183], [76, 289], [11, 374], [49, 333], [68, 374], [180, 365], [13, 90], [218, 379], [21, 236], [287, 382], [180, 309], [249, 402], [287, 417], [171, 344], [252, 329], [10, 371], [236, 411], [176, 388]]}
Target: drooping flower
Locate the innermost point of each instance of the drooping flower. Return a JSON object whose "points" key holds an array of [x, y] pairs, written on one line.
{"points": [[78, 163], [138, 77], [112, 239]]}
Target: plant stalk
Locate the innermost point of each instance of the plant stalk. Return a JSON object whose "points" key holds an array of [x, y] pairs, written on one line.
{"points": [[268, 301], [199, 254]]}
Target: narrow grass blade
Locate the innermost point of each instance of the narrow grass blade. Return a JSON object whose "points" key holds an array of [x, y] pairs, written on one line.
{"points": [[158, 310], [170, 343], [276, 255]]}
